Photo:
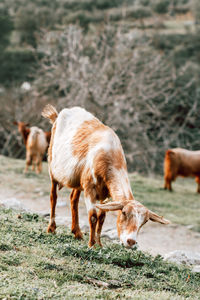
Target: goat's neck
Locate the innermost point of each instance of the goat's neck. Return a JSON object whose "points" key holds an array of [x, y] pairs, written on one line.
{"points": [[119, 186], [25, 132]]}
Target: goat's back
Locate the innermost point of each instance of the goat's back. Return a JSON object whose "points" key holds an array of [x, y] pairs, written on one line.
{"points": [[37, 140], [77, 138]]}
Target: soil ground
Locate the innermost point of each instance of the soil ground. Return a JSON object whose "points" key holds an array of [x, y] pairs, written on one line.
{"points": [[31, 192]]}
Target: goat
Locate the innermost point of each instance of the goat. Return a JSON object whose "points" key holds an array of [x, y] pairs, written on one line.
{"points": [[87, 156], [36, 144], [181, 162]]}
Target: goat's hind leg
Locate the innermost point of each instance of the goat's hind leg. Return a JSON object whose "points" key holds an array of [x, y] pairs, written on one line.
{"points": [[74, 198], [38, 164], [53, 200], [28, 161]]}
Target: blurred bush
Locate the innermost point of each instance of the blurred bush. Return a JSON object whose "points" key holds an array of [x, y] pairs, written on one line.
{"points": [[6, 26], [17, 66], [161, 6], [26, 23], [142, 83], [150, 98]]}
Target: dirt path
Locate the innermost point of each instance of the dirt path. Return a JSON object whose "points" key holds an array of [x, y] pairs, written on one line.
{"points": [[153, 238]]}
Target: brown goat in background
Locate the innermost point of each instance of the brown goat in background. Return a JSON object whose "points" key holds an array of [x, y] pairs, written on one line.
{"points": [[36, 142], [181, 162]]}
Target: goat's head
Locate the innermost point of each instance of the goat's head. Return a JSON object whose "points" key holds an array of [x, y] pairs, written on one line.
{"points": [[131, 217], [21, 125]]}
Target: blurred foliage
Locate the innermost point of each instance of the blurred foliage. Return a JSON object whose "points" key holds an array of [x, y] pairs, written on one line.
{"points": [[17, 66], [134, 63], [6, 26], [27, 24], [161, 6]]}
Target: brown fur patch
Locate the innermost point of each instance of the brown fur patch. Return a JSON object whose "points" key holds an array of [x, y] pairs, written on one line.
{"points": [[104, 161], [23, 130], [87, 136], [92, 216], [126, 218], [48, 136], [75, 180]]}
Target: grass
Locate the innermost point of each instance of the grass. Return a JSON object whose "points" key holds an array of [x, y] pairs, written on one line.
{"points": [[182, 206], [36, 265], [13, 180]]}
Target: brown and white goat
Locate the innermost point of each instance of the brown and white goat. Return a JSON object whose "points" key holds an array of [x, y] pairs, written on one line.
{"points": [[181, 162], [35, 140], [87, 156]]}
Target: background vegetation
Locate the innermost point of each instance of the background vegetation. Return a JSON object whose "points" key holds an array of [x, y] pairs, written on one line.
{"points": [[135, 64]]}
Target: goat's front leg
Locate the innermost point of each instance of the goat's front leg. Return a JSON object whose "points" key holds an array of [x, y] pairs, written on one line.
{"points": [[74, 197], [92, 215], [198, 184], [168, 184], [100, 220], [53, 200]]}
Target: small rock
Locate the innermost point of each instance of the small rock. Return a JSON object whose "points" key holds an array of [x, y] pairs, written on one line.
{"points": [[196, 269], [62, 204], [183, 257], [45, 215], [111, 234], [85, 228], [190, 226]]}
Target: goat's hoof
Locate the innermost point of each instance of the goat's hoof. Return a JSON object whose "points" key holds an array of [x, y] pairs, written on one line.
{"points": [[51, 229], [91, 244], [99, 244], [78, 235]]}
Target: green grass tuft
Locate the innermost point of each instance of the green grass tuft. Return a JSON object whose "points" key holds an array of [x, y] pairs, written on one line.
{"points": [[37, 265]]}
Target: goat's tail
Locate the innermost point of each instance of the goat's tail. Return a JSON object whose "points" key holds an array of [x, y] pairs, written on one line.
{"points": [[33, 136], [50, 112]]}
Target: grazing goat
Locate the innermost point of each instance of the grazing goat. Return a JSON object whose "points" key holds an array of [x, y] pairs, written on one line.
{"points": [[36, 142], [181, 162], [87, 156]]}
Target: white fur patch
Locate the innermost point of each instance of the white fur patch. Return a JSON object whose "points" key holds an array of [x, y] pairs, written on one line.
{"points": [[37, 142], [64, 163], [51, 221], [125, 236], [140, 219], [89, 204]]}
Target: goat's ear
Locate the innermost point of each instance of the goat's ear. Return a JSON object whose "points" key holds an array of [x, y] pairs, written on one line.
{"points": [[110, 206], [15, 122], [156, 218]]}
